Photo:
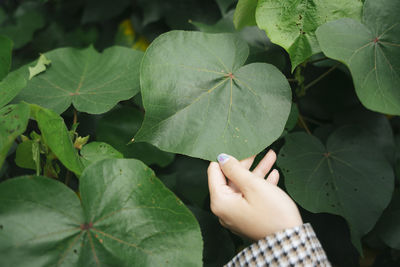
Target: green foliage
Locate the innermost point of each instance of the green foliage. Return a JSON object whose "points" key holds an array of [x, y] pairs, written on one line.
{"points": [[292, 24], [372, 55], [245, 13], [338, 178], [13, 122], [118, 127], [92, 82], [89, 106], [215, 90], [115, 221]]}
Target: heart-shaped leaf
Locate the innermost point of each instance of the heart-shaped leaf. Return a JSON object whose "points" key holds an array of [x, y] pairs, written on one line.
{"points": [[371, 51], [292, 23], [55, 135], [92, 82], [347, 177], [5, 56], [200, 100], [127, 217], [13, 122], [117, 128]]}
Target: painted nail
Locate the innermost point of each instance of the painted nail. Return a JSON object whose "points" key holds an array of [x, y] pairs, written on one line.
{"points": [[222, 158]]}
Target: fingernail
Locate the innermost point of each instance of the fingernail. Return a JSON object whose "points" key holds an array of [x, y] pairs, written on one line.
{"points": [[222, 158]]}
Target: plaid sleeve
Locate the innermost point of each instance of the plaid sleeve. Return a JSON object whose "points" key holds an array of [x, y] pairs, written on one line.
{"points": [[298, 246]]}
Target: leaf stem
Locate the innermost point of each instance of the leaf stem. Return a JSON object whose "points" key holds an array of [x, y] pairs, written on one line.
{"points": [[291, 80], [75, 117], [323, 75], [304, 124], [67, 178]]}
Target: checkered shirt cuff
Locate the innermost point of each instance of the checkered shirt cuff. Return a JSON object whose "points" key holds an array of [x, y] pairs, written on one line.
{"points": [[298, 246]]}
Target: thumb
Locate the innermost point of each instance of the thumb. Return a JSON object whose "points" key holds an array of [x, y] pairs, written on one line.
{"points": [[236, 172]]}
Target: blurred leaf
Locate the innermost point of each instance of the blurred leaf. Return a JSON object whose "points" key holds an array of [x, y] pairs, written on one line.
{"points": [[388, 226], [245, 14], [27, 22], [55, 135], [292, 23], [13, 122], [348, 177], [188, 180], [101, 10], [178, 13], [125, 217], [39, 67], [5, 56], [92, 82], [24, 155], [127, 36], [225, 5], [96, 151], [118, 127], [205, 109], [372, 55], [218, 246]]}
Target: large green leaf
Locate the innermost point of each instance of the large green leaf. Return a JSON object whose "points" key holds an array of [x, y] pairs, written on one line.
{"points": [[245, 13], [371, 51], [126, 218], [347, 177], [117, 128], [13, 122], [292, 23], [200, 100], [92, 82], [55, 135], [5, 56]]}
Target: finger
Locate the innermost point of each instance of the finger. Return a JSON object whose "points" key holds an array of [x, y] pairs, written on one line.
{"points": [[216, 179], [265, 164], [273, 177], [248, 162], [236, 173]]}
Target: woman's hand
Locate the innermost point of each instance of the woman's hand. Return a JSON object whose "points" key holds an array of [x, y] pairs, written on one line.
{"points": [[245, 202]]}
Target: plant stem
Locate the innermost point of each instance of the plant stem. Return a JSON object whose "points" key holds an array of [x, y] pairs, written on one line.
{"points": [[291, 80], [75, 117], [323, 75], [67, 178], [303, 123]]}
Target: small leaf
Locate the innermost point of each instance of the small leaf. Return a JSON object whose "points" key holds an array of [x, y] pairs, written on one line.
{"points": [[13, 122], [127, 217], [55, 135], [39, 67], [200, 100], [92, 82], [5, 56], [371, 51], [292, 23], [245, 14], [349, 176], [96, 151], [24, 155], [388, 227]]}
